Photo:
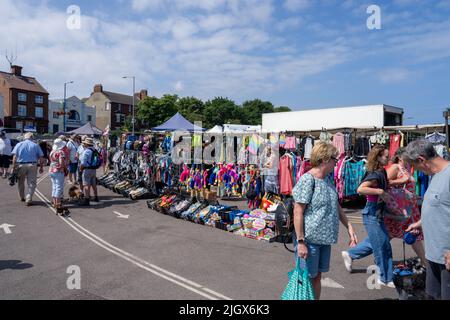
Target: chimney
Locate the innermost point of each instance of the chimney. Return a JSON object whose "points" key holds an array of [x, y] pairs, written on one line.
{"points": [[98, 88], [16, 70], [143, 94]]}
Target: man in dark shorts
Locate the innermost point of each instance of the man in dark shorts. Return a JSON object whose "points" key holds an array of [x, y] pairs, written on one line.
{"points": [[5, 154]]}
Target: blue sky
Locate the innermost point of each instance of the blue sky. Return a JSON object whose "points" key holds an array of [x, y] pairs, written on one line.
{"points": [[299, 53]]}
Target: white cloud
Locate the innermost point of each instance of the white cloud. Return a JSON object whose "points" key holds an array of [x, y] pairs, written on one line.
{"points": [[296, 5], [395, 75], [288, 23], [141, 5], [179, 86]]}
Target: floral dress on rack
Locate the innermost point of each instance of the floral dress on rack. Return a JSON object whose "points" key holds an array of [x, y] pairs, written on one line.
{"points": [[396, 228]]}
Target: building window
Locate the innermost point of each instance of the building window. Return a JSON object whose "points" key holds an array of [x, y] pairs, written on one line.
{"points": [[22, 97], [74, 115], [29, 124], [19, 125], [89, 118], [22, 112], [119, 108], [120, 118], [39, 112], [108, 106], [129, 109], [55, 128], [39, 99], [55, 115]]}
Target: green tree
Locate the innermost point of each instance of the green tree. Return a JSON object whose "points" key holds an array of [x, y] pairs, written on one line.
{"points": [[191, 108], [127, 125], [221, 111], [282, 109], [153, 111], [253, 110]]}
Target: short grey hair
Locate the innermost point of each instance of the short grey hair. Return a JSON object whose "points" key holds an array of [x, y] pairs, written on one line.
{"points": [[420, 148]]}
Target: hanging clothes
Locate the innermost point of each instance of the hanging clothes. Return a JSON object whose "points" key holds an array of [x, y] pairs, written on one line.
{"points": [[325, 136], [339, 177], [402, 141], [307, 146], [354, 174], [394, 144], [348, 141], [290, 143], [197, 140], [255, 142], [362, 147], [339, 143], [285, 173]]}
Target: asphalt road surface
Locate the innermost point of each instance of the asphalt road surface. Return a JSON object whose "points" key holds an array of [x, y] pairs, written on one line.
{"points": [[119, 249]]}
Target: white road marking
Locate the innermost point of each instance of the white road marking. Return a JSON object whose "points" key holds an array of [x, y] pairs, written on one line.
{"points": [[330, 283], [6, 227], [121, 216], [165, 274], [42, 178]]}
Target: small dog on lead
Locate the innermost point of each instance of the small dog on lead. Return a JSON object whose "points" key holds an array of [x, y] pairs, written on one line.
{"points": [[75, 194]]}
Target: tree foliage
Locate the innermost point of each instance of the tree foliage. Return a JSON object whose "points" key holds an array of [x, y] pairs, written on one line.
{"points": [[153, 111]]}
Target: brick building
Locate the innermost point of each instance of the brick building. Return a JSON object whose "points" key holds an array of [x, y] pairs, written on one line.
{"points": [[112, 108], [25, 101]]}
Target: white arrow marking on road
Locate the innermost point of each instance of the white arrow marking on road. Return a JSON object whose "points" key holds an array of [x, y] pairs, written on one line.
{"points": [[121, 216], [330, 283], [6, 227]]}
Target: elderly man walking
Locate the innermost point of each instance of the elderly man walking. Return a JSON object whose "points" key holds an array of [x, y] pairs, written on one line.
{"points": [[26, 157], [435, 221], [89, 163]]}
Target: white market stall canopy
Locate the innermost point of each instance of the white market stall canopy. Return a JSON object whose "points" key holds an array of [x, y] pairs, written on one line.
{"points": [[346, 117]]}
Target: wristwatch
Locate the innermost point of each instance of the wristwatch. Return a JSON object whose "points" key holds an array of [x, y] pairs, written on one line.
{"points": [[301, 240]]}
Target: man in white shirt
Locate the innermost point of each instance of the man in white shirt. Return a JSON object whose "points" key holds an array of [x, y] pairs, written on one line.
{"points": [[5, 154], [80, 151], [72, 145]]}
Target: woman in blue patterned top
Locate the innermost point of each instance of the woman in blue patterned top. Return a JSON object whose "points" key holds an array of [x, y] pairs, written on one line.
{"points": [[317, 213]]}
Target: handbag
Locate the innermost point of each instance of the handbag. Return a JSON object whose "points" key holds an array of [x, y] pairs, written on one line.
{"points": [[299, 286], [400, 208]]}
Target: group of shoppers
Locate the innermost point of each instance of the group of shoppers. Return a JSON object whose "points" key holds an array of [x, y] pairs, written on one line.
{"points": [[69, 157], [317, 214]]}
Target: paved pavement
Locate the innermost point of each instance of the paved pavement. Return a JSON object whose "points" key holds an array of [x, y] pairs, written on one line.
{"points": [[150, 256]]}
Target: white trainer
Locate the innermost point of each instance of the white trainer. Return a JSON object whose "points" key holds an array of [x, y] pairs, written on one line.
{"points": [[347, 261], [389, 284]]}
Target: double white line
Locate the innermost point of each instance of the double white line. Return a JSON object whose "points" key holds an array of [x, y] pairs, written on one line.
{"points": [[158, 271]]}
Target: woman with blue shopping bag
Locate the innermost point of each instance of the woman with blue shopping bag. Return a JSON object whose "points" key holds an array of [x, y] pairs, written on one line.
{"points": [[316, 220]]}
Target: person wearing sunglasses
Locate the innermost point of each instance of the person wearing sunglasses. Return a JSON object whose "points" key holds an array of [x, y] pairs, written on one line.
{"points": [[317, 213]]}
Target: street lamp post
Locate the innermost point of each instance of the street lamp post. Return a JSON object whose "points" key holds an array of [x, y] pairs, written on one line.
{"points": [[134, 90], [64, 105]]}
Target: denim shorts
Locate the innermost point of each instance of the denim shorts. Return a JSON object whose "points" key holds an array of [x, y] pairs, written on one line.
{"points": [[318, 260], [57, 184], [89, 177], [73, 167]]}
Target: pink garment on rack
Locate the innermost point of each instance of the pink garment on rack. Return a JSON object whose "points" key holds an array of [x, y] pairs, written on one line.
{"points": [[339, 142], [285, 173], [290, 143], [306, 166], [339, 177]]}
